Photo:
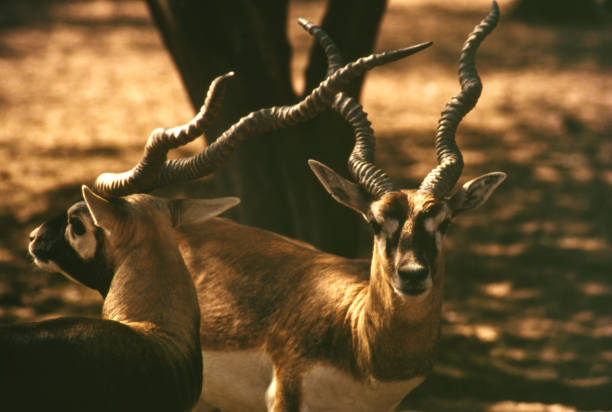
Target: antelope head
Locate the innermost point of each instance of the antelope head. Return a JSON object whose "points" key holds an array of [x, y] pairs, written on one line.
{"points": [[409, 225]]}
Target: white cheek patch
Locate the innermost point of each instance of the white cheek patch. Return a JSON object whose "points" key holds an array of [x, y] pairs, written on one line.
{"points": [[390, 226], [86, 244], [432, 223]]}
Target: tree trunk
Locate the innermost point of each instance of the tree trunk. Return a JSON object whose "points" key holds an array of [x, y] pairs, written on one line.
{"points": [[558, 11], [269, 172]]}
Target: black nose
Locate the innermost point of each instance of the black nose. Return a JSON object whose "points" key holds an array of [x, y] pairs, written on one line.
{"points": [[413, 275]]}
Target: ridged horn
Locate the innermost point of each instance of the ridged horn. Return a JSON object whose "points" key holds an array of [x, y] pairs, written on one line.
{"points": [[265, 120], [442, 179], [141, 177], [361, 160], [154, 170]]}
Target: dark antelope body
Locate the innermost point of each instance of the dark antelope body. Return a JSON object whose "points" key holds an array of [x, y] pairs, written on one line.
{"points": [[286, 327], [144, 354]]}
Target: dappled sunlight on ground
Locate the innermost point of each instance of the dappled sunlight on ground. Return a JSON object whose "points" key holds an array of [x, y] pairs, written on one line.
{"points": [[527, 320]]}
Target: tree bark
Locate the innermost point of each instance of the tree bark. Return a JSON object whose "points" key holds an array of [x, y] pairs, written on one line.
{"points": [[558, 11], [269, 172]]}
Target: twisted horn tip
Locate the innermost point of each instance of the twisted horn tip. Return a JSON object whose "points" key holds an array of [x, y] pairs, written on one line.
{"points": [[416, 48], [223, 77], [494, 7], [306, 24]]}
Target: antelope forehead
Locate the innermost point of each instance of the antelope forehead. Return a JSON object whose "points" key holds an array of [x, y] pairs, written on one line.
{"points": [[389, 223]]}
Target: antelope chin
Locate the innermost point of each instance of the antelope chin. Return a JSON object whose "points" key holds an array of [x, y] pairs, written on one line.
{"points": [[47, 266], [31, 252], [411, 290], [42, 263]]}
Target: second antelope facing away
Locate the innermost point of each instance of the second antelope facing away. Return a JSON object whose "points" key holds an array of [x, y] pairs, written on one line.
{"points": [[144, 354]]}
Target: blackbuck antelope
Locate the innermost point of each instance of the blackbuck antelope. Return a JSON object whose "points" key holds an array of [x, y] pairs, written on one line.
{"points": [[286, 327], [144, 354]]}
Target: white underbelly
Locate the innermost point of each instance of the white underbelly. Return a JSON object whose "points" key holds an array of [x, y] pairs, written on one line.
{"points": [[326, 389], [237, 382]]}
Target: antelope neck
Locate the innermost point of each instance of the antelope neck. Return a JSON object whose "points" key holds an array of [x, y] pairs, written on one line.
{"points": [[396, 335], [138, 293]]}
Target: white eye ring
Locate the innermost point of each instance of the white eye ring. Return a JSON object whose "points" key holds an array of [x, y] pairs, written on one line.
{"points": [[81, 238], [390, 225], [77, 228], [432, 224]]}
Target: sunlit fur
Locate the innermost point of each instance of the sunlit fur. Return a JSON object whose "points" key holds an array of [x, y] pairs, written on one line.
{"points": [[303, 307], [147, 288], [147, 266], [278, 314]]}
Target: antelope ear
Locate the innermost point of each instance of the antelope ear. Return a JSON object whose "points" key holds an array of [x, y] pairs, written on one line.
{"points": [[105, 214], [197, 210], [343, 191], [474, 193]]}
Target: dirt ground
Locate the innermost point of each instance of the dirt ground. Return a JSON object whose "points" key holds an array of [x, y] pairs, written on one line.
{"points": [[528, 319]]}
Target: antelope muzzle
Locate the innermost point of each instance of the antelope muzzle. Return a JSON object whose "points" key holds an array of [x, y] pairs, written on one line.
{"points": [[413, 279]]}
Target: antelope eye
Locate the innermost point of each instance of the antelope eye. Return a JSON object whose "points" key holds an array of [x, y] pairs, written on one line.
{"points": [[76, 226], [444, 226], [376, 227]]}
